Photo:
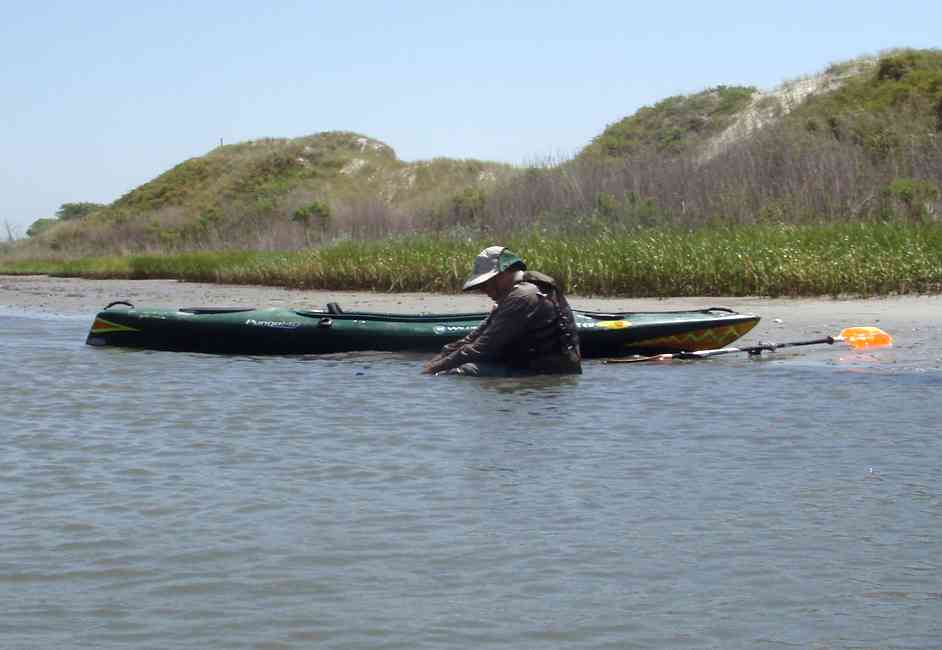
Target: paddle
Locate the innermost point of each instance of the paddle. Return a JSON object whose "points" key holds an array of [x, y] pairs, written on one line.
{"points": [[858, 338]]}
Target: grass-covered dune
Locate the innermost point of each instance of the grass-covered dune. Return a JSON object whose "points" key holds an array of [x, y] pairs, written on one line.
{"points": [[272, 193], [840, 259]]}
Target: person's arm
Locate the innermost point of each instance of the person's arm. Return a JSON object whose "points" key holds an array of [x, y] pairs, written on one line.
{"points": [[505, 324], [432, 365]]}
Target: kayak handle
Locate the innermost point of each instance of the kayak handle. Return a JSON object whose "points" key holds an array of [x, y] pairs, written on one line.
{"points": [[325, 322], [119, 302]]}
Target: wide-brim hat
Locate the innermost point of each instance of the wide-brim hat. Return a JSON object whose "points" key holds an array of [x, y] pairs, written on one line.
{"points": [[489, 262]]}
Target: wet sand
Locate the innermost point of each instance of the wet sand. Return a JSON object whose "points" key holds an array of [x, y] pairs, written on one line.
{"points": [[781, 317]]}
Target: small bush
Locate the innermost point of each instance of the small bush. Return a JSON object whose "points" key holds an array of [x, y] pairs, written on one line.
{"points": [[317, 214], [39, 226], [916, 196], [72, 211], [896, 67], [468, 205]]}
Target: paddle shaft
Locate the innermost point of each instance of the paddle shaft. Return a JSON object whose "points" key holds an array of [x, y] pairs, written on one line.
{"points": [[752, 349]]}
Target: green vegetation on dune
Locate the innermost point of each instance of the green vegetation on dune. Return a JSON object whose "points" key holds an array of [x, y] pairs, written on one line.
{"points": [[900, 79], [237, 176], [673, 125], [897, 98]]}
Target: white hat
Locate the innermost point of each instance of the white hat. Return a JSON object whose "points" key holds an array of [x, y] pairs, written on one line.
{"points": [[489, 262]]}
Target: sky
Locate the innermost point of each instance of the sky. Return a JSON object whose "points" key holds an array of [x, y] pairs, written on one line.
{"points": [[98, 97]]}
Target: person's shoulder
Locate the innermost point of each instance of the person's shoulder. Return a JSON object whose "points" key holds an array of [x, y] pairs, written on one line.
{"points": [[524, 290], [522, 296]]}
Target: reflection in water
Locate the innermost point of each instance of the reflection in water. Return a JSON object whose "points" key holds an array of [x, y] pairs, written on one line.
{"points": [[548, 388]]}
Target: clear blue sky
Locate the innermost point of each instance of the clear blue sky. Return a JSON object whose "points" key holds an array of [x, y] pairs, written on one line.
{"points": [[98, 97]]}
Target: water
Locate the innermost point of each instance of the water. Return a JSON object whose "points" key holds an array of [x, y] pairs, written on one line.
{"points": [[161, 500]]}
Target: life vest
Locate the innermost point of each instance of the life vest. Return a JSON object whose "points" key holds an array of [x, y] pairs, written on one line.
{"points": [[553, 344]]}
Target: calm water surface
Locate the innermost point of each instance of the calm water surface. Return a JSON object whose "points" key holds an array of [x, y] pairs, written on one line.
{"points": [[161, 500]]}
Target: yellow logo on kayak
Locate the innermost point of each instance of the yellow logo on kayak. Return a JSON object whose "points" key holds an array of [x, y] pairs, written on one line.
{"points": [[102, 326], [613, 324]]}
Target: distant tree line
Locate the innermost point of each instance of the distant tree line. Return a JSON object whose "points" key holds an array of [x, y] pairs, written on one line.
{"points": [[66, 212]]}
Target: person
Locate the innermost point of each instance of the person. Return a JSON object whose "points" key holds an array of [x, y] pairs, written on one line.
{"points": [[531, 330]]}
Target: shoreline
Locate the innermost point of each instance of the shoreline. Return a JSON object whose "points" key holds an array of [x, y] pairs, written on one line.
{"points": [[780, 316]]}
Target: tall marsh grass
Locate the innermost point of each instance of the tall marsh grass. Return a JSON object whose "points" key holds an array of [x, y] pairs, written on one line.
{"points": [[772, 260]]}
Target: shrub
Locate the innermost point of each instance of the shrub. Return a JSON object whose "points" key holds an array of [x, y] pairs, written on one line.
{"points": [[317, 213], [606, 205], [72, 211], [896, 67], [468, 205], [39, 226], [916, 196]]}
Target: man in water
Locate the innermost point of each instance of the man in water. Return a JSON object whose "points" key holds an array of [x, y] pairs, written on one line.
{"points": [[530, 331]]}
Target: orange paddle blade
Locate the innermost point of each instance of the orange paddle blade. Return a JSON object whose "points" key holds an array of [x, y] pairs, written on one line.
{"points": [[860, 338]]}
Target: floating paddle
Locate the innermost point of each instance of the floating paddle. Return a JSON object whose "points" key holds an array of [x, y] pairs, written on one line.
{"points": [[858, 338]]}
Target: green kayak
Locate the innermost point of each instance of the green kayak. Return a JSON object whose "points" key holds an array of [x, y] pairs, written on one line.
{"points": [[237, 330]]}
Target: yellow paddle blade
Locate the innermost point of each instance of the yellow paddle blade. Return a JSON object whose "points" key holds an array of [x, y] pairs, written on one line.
{"points": [[860, 338]]}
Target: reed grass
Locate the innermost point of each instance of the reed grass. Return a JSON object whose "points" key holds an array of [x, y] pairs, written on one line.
{"points": [[861, 259]]}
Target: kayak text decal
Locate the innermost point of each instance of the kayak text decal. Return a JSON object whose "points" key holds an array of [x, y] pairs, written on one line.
{"points": [[452, 329], [277, 324]]}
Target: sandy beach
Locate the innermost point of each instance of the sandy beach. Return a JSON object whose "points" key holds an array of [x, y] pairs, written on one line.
{"points": [[905, 315]]}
